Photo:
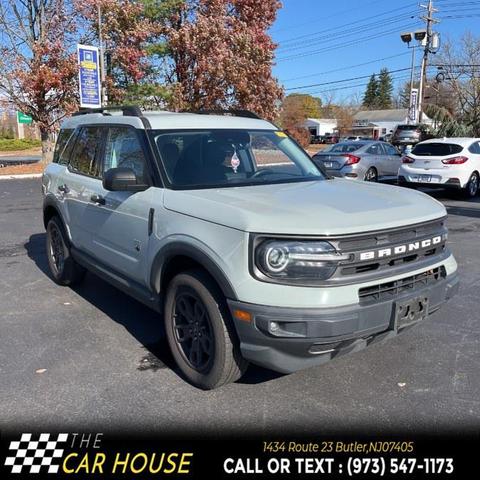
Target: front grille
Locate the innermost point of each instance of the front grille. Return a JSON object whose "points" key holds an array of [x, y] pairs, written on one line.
{"points": [[371, 267], [400, 235], [391, 290], [389, 240]]}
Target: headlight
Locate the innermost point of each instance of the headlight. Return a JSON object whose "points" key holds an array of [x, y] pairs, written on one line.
{"points": [[297, 261]]}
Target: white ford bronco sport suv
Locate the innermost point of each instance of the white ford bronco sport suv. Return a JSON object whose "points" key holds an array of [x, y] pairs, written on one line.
{"points": [[224, 225]]}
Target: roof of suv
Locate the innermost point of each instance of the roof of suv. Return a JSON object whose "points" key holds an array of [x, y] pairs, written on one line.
{"points": [[163, 120], [464, 141]]}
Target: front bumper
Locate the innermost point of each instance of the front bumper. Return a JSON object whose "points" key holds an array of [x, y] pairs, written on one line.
{"points": [[309, 337]]}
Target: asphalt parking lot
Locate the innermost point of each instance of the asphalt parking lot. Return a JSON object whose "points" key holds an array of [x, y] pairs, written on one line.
{"points": [[107, 365]]}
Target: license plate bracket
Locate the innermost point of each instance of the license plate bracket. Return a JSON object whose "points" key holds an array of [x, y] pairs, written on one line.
{"points": [[411, 311]]}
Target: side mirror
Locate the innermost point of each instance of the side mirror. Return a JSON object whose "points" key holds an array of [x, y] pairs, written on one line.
{"points": [[122, 180]]}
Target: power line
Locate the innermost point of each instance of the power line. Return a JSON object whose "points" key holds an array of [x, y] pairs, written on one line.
{"points": [[345, 80], [346, 68], [455, 9], [365, 19], [348, 87], [336, 14], [328, 37], [450, 17], [394, 78], [348, 44], [458, 4]]}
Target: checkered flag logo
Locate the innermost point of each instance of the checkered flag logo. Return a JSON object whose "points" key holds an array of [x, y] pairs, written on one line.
{"points": [[34, 456]]}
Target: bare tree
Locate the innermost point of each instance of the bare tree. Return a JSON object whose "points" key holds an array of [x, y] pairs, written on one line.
{"points": [[459, 65]]}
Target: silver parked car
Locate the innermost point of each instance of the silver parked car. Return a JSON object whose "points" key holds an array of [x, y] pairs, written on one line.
{"points": [[367, 160]]}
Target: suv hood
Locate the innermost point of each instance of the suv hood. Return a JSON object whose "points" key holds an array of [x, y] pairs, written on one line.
{"points": [[328, 207]]}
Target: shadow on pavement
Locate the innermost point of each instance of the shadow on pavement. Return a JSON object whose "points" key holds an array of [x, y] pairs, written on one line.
{"points": [[140, 321], [471, 212]]}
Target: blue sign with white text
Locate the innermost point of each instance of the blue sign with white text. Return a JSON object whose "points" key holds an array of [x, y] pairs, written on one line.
{"points": [[89, 76]]}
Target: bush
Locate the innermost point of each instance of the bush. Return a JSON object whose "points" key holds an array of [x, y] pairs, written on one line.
{"points": [[8, 145], [7, 132]]}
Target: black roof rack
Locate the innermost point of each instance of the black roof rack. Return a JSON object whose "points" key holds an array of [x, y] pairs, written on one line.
{"points": [[233, 113], [127, 110]]}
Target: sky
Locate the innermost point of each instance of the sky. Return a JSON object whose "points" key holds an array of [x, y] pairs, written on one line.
{"points": [[322, 41]]}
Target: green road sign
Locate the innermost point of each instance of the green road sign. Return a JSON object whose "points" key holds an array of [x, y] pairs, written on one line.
{"points": [[23, 118]]}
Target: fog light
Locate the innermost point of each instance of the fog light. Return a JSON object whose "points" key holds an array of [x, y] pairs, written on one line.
{"points": [[274, 326]]}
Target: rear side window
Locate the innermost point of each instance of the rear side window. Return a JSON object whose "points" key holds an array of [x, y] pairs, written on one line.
{"points": [[474, 148], [436, 149], [390, 149], [346, 147], [375, 149], [62, 140], [85, 154]]}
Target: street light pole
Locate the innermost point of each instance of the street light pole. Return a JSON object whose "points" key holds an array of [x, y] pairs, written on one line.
{"points": [[407, 37], [102, 59]]}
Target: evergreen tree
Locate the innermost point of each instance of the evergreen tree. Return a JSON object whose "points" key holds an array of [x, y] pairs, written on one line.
{"points": [[385, 89], [371, 93]]}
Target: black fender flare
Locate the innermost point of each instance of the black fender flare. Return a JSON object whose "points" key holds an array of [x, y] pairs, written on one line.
{"points": [[179, 248], [50, 202]]}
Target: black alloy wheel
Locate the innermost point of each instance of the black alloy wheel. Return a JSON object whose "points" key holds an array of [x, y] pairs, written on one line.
{"points": [[193, 330]]}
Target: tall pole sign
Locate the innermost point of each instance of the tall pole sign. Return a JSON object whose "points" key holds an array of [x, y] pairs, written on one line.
{"points": [[89, 76], [412, 114]]}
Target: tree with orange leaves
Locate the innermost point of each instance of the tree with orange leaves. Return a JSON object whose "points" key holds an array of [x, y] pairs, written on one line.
{"points": [[38, 68], [222, 56]]}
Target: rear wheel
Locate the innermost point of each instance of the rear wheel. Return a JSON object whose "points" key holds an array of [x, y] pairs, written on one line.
{"points": [[371, 175], [471, 189], [200, 331], [64, 269]]}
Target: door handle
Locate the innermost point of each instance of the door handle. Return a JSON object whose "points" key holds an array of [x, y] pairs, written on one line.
{"points": [[63, 188], [98, 199]]}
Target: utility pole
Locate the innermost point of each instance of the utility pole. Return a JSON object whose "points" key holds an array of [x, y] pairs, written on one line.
{"points": [[103, 89], [428, 43]]}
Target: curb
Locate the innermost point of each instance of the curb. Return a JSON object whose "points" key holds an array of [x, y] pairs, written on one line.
{"points": [[20, 175]]}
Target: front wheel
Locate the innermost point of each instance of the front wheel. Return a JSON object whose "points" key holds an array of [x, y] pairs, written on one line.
{"points": [[471, 189], [200, 331]]}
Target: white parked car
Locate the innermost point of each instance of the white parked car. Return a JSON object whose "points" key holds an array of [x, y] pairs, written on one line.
{"points": [[445, 162]]}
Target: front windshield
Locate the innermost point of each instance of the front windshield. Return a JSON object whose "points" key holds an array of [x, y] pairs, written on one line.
{"points": [[228, 158]]}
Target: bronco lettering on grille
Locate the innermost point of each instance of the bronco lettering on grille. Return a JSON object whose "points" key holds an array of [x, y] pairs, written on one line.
{"points": [[400, 249]]}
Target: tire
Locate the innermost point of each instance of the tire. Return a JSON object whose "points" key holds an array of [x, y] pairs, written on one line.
{"points": [[371, 175], [471, 189], [64, 269], [195, 306]]}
